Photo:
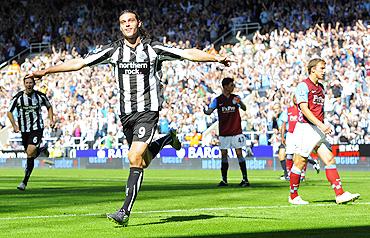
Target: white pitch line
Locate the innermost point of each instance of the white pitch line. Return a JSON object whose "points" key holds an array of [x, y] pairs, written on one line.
{"points": [[182, 210], [258, 178]]}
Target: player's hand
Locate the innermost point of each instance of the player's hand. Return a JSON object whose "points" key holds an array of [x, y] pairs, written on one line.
{"points": [[52, 124], [326, 129], [37, 74], [223, 60], [16, 129], [236, 100]]}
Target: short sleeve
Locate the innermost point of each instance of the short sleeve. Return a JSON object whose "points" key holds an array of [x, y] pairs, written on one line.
{"points": [[301, 93], [166, 52], [213, 104], [46, 101], [13, 104], [100, 55]]}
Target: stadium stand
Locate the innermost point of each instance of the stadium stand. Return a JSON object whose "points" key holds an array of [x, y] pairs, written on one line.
{"points": [[267, 67]]}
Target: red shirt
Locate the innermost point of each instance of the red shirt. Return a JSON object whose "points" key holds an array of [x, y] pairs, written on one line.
{"points": [[312, 94], [293, 113], [229, 121]]}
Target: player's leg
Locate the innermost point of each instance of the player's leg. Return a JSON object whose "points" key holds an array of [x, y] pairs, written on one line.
{"points": [[151, 120], [243, 168], [225, 144], [157, 145], [30, 141], [139, 133], [224, 168], [135, 178], [31, 152], [303, 172], [289, 163], [305, 141], [238, 142], [333, 176], [315, 164], [289, 151], [281, 156]]}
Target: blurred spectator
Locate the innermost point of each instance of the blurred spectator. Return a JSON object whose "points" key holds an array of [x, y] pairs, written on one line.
{"points": [[194, 138]]}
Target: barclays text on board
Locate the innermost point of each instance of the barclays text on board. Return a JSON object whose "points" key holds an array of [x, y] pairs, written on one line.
{"points": [[347, 156]]}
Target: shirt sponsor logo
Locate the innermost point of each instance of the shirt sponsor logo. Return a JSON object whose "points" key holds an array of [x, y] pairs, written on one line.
{"points": [[228, 109], [293, 118], [31, 108], [318, 100], [133, 68]]}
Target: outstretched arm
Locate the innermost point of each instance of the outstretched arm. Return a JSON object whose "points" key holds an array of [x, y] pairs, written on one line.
{"points": [[201, 56], [71, 65]]}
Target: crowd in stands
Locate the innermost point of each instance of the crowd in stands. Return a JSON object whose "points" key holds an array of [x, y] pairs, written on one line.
{"points": [[85, 24], [266, 68]]}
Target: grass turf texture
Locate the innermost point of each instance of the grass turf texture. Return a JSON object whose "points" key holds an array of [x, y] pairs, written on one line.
{"points": [[178, 203]]}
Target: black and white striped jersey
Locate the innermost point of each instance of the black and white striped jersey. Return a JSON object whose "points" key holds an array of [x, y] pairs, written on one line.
{"points": [[28, 110], [137, 72]]}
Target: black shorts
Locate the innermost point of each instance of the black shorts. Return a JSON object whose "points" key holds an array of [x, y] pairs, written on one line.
{"points": [[139, 126], [32, 138]]}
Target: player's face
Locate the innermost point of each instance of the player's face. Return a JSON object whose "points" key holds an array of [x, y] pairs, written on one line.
{"points": [[29, 84], [129, 25], [320, 70], [230, 87]]}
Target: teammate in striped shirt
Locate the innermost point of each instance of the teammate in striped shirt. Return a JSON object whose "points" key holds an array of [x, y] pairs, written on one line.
{"points": [[137, 62], [310, 132], [27, 104]]}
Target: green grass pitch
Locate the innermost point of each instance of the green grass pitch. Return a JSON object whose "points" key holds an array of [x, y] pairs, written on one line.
{"points": [[179, 203]]}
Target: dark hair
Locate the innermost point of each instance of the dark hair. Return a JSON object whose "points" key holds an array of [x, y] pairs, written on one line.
{"points": [[142, 31], [33, 79], [227, 81]]}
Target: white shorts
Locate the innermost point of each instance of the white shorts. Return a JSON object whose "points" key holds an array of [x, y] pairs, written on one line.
{"points": [[227, 142], [307, 137], [289, 141]]}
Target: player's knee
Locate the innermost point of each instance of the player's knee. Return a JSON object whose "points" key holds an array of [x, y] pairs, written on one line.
{"points": [[330, 161], [135, 158], [239, 153], [31, 152], [300, 161]]}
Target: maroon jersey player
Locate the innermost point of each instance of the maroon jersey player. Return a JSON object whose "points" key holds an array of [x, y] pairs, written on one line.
{"points": [[310, 132]]}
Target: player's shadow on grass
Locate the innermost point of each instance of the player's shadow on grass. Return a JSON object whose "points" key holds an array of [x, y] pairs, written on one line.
{"points": [[348, 232], [324, 201], [198, 217]]}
